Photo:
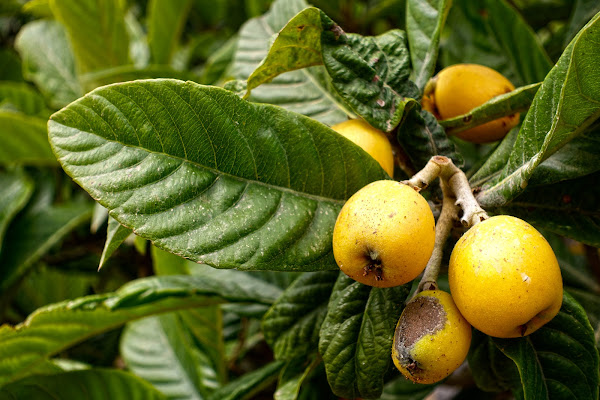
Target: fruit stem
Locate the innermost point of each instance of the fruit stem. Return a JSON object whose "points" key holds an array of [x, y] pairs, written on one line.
{"points": [[444, 168], [443, 227]]}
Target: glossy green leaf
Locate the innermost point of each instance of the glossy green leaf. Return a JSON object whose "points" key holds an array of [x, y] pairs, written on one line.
{"points": [[165, 170], [513, 102], [26, 345], [298, 45], [165, 25], [115, 235], [358, 331], [249, 384], [91, 384], [96, 31], [556, 361], [159, 350], [21, 97], [370, 73], [422, 137], [48, 61], [24, 140], [33, 234], [566, 104], [16, 190], [292, 324], [424, 23], [492, 33], [568, 208], [306, 91]]}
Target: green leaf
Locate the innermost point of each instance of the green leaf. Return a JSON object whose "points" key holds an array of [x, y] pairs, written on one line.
{"points": [[139, 51], [492, 33], [357, 332], [21, 97], [306, 91], [165, 25], [422, 137], [583, 11], [291, 326], [33, 234], [217, 67], [10, 65], [298, 45], [566, 104], [130, 73], [249, 384], [424, 23], [560, 360], [370, 73], [24, 140], [568, 208], [496, 161], [26, 345], [96, 31], [91, 384], [115, 235], [516, 101], [165, 170], [16, 190], [293, 375], [403, 389], [48, 61], [159, 350]]}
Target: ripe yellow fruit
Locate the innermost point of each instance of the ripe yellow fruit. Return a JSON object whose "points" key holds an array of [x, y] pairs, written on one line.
{"points": [[384, 234], [371, 140], [462, 87], [432, 338], [504, 277]]}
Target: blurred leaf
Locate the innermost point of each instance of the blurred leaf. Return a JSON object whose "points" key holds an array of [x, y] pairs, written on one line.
{"points": [[92, 384], [292, 324], [249, 384], [516, 101], [403, 389], [115, 235], [24, 140], [10, 65], [422, 137], [96, 31], [165, 170], [583, 11], [557, 360], [491, 369], [129, 73], [21, 97], [566, 104], [31, 235], [165, 25], [48, 61], [26, 345], [16, 190], [357, 332], [492, 33], [293, 375], [139, 51], [217, 67], [159, 350], [307, 91], [424, 23], [568, 208], [99, 217]]}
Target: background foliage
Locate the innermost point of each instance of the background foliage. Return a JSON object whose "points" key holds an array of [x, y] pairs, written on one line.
{"points": [[228, 161]]}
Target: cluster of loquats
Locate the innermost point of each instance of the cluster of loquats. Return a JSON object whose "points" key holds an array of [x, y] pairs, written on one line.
{"points": [[504, 277]]}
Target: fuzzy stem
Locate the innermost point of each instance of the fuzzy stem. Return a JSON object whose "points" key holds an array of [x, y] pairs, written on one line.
{"points": [[443, 227]]}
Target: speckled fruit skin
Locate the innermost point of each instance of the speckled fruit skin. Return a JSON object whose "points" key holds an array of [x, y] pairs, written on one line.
{"points": [[387, 225], [504, 277], [371, 140], [435, 355], [462, 87]]}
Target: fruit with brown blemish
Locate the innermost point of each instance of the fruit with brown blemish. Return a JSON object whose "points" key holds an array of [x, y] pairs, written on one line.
{"points": [[370, 139], [505, 278], [384, 234], [432, 338], [459, 88]]}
